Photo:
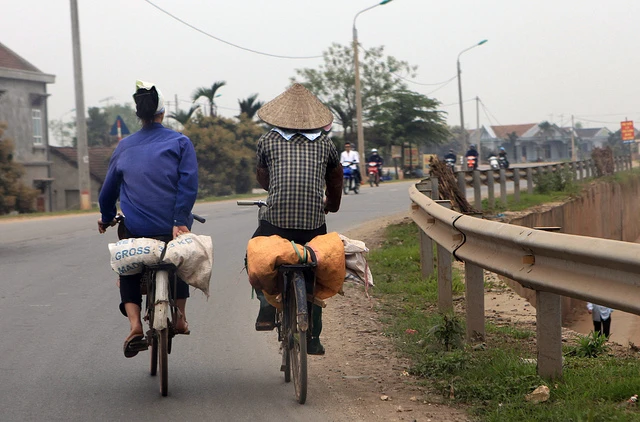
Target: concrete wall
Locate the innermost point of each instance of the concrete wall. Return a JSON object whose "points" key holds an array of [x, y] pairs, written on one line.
{"points": [[606, 210], [64, 188], [17, 100]]}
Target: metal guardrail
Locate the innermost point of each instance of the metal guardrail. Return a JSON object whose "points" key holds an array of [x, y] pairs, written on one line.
{"points": [[490, 178], [597, 270]]}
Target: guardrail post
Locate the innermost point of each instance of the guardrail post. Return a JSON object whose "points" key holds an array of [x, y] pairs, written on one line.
{"points": [[427, 259], [462, 183], [579, 175], [516, 185], [477, 193], [474, 301], [491, 197], [549, 334], [503, 187], [445, 276], [529, 180]]}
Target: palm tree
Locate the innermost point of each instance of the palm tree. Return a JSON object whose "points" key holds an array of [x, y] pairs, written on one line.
{"points": [[250, 106], [183, 117], [209, 94]]}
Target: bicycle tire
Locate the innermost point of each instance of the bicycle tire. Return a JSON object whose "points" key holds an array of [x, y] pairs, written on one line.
{"points": [[297, 341], [163, 360], [153, 364]]}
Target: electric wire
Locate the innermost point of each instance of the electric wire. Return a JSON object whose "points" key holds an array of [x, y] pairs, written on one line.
{"points": [[227, 42]]}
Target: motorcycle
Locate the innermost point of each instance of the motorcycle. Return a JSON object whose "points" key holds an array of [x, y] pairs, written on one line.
{"points": [[451, 163], [493, 162], [349, 181], [471, 162], [504, 163], [374, 173]]}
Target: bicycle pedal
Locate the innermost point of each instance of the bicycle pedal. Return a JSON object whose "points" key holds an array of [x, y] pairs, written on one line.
{"points": [[139, 346]]}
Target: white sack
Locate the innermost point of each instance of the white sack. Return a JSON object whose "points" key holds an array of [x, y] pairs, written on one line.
{"points": [[129, 256], [192, 254], [358, 270]]}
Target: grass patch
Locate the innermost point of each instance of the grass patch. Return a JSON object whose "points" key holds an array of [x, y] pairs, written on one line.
{"points": [[491, 380]]}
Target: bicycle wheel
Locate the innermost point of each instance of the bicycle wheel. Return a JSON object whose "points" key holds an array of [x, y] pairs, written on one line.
{"points": [[297, 344], [153, 367], [163, 360]]}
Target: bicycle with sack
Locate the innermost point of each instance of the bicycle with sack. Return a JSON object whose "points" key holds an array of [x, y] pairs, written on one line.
{"points": [[158, 284], [296, 285]]}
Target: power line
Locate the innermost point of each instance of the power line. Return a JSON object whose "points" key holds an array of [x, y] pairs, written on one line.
{"points": [[456, 103], [227, 42], [484, 107], [442, 86], [444, 83]]}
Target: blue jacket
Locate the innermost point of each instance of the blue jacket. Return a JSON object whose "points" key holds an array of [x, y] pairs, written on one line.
{"points": [[155, 174]]}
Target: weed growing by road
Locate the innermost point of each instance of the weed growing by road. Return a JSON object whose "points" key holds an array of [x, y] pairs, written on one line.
{"points": [[590, 346], [492, 378]]}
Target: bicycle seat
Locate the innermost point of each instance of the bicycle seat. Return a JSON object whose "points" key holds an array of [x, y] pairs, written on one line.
{"points": [[161, 266]]}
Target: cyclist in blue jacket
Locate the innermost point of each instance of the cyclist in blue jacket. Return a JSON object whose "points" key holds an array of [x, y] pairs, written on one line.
{"points": [[154, 172]]}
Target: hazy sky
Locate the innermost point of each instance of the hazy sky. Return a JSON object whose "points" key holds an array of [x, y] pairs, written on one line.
{"points": [[545, 60]]}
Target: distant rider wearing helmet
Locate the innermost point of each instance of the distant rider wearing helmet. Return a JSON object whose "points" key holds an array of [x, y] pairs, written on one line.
{"points": [[502, 155], [376, 158], [472, 152]]}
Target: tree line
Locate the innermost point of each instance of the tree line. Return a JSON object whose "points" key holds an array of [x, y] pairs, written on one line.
{"points": [[393, 115]]}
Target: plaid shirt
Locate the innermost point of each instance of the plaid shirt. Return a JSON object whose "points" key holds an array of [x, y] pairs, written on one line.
{"points": [[297, 169]]}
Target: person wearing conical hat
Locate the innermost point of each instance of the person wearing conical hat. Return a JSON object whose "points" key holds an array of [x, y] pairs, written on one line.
{"points": [[297, 164]]}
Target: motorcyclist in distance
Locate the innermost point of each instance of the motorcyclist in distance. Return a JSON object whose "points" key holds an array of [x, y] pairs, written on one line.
{"points": [[450, 155], [472, 152], [375, 157], [502, 155], [351, 156]]}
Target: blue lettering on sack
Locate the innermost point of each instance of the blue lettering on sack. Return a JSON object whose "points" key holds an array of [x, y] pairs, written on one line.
{"points": [[147, 249], [129, 267]]}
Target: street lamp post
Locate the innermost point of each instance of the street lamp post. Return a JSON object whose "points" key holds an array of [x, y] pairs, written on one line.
{"points": [[464, 132], [360, 129]]}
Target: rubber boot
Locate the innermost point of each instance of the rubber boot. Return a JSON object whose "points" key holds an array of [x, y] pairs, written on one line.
{"points": [[314, 347], [266, 320]]}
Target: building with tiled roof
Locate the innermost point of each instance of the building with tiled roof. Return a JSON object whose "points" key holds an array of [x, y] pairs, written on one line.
{"points": [[527, 142], [23, 107], [65, 191]]}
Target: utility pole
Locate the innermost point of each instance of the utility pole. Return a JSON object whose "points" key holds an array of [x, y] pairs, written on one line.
{"points": [[574, 153], [477, 113], [84, 184]]}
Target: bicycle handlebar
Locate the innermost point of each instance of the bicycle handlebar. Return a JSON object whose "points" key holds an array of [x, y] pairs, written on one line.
{"points": [[119, 218], [259, 203]]}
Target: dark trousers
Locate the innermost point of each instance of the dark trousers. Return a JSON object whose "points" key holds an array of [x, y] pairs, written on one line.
{"points": [[301, 237], [603, 326], [130, 284]]}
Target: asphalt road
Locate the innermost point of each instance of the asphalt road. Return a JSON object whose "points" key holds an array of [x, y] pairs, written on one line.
{"points": [[61, 348]]}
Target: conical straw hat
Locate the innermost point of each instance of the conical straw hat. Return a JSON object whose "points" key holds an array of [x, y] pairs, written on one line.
{"points": [[296, 108]]}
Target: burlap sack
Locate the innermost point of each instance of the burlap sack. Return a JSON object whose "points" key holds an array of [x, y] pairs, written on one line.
{"points": [[330, 272], [129, 256], [192, 255], [264, 255]]}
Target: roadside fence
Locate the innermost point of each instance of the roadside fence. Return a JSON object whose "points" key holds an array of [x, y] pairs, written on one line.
{"points": [[477, 178], [596, 270]]}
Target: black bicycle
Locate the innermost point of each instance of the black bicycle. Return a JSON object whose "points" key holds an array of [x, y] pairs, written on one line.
{"points": [[158, 283], [292, 317]]}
